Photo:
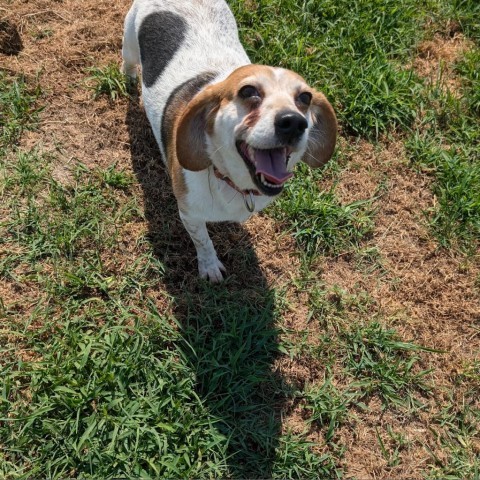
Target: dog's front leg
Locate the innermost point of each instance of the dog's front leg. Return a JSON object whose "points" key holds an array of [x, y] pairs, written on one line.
{"points": [[209, 266]]}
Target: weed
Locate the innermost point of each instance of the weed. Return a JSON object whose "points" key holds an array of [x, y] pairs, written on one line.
{"points": [[391, 452], [116, 178], [457, 431], [295, 459], [18, 108], [369, 260], [328, 406], [376, 359], [109, 81]]}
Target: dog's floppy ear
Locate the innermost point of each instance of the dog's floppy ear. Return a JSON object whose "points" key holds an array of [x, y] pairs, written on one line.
{"points": [[323, 133], [196, 121]]}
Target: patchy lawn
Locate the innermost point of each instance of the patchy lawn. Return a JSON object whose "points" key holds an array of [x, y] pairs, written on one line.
{"points": [[345, 341]]}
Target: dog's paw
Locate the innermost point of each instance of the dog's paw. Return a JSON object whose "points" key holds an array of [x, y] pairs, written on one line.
{"points": [[211, 269]]}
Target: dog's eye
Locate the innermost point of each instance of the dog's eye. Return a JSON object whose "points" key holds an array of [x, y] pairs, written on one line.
{"points": [[248, 91], [305, 98]]}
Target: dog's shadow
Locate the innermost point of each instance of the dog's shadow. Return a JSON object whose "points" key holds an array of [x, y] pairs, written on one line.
{"points": [[229, 336]]}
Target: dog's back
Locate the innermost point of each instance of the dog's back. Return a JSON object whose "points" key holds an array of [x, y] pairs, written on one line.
{"points": [[179, 41]]}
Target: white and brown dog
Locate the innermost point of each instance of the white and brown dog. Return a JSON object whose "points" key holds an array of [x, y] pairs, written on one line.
{"points": [[230, 132]]}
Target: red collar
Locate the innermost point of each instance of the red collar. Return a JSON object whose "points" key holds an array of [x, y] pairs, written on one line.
{"points": [[248, 195], [231, 184]]}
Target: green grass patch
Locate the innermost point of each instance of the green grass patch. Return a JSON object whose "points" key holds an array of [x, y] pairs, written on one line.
{"points": [[447, 146], [18, 110], [456, 429], [64, 220], [461, 14], [353, 51], [456, 217], [360, 358], [469, 72], [108, 81], [319, 222], [109, 396], [328, 406], [374, 362], [296, 460], [231, 342], [381, 364]]}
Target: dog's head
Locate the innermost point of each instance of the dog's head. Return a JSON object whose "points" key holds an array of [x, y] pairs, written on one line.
{"points": [[255, 126]]}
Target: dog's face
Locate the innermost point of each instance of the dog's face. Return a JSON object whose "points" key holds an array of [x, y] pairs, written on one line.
{"points": [[255, 126]]}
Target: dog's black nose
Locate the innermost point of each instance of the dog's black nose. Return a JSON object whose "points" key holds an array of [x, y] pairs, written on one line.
{"points": [[289, 126]]}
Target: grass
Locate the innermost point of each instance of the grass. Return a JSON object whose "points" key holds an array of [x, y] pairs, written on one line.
{"points": [[74, 223], [353, 51], [376, 358], [456, 429], [328, 406], [396, 443], [19, 111], [448, 148], [467, 68], [109, 399], [113, 365], [318, 220], [456, 216], [108, 81], [296, 460], [364, 360]]}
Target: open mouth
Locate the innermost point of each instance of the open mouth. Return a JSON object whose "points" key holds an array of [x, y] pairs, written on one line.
{"points": [[268, 168]]}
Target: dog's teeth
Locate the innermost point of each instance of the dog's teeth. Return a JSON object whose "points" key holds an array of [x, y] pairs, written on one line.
{"points": [[268, 184]]}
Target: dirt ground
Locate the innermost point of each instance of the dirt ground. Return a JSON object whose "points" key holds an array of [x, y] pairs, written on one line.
{"points": [[429, 295]]}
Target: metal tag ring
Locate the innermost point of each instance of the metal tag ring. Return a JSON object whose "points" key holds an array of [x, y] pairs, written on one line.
{"points": [[249, 201]]}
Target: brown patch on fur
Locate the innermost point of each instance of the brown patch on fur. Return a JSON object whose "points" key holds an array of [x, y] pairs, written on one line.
{"points": [[198, 117], [252, 118], [179, 185], [176, 105], [238, 78]]}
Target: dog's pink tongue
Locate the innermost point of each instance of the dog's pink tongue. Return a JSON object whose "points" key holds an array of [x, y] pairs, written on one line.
{"points": [[273, 164]]}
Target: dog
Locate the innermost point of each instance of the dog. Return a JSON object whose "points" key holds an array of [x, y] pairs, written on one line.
{"points": [[230, 132]]}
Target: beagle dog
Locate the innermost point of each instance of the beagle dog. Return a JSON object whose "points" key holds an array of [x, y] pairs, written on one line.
{"points": [[229, 132]]}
